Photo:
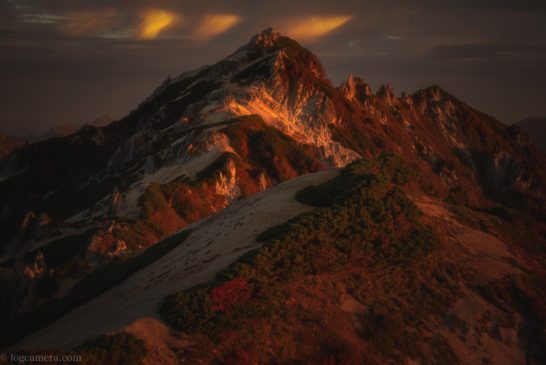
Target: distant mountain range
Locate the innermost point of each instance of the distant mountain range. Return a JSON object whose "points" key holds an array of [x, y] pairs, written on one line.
{"points": [[252, 212], [536, 127], [10, 142]]}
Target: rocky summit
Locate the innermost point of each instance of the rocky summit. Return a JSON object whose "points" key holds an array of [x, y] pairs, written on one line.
{"points": [[264, 215]]}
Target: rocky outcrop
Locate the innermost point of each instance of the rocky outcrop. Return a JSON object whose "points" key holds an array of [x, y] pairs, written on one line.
{"points": [[356, 89], [386, 93], [28, 276], [103, 247], [227, 181]]}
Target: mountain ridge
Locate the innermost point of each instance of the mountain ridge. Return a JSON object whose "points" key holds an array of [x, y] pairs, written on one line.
{"points": [[10, 142], [301, 103], [210, 137]]}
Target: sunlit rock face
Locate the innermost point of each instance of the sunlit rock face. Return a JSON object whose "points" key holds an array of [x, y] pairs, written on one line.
{"points": [[273, 77], [194, 122], [180, 127], [357, 89]]}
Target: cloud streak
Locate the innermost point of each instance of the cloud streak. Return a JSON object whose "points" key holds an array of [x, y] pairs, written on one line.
{"points": [[154, 21], [215, 24], [314, 27]]}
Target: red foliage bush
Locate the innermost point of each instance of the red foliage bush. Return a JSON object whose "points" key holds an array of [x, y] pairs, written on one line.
{"points": [[227, 295]]}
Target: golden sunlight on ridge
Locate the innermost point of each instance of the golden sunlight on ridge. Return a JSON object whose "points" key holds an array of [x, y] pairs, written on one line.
{"points": [[315, 26], [155, 21], [214, 24]]}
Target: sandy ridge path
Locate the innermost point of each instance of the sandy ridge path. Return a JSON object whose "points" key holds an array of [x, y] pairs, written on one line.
{"points": [[214, 244]]}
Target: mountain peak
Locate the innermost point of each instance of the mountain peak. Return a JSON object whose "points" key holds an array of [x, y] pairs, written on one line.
{"points": [[267, 38], [295, 57], [434, 92]]}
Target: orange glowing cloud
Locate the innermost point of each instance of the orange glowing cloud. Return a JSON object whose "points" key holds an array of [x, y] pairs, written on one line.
{"points": [[214, 24], [155, 21], [314, 27]]}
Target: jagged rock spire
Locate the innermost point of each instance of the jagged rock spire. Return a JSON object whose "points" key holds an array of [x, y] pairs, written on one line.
{"points": [[356, 88], [266, 38], [386, 92]]}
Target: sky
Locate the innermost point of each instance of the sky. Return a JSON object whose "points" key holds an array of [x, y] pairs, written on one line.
{"points": [[68, 61]]}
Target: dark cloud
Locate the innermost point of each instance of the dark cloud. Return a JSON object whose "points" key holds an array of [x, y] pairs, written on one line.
{"points": [[69, 61]]}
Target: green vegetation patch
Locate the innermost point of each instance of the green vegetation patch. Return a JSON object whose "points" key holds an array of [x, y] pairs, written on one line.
{"points": [[121, 348], [362, 212]]}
